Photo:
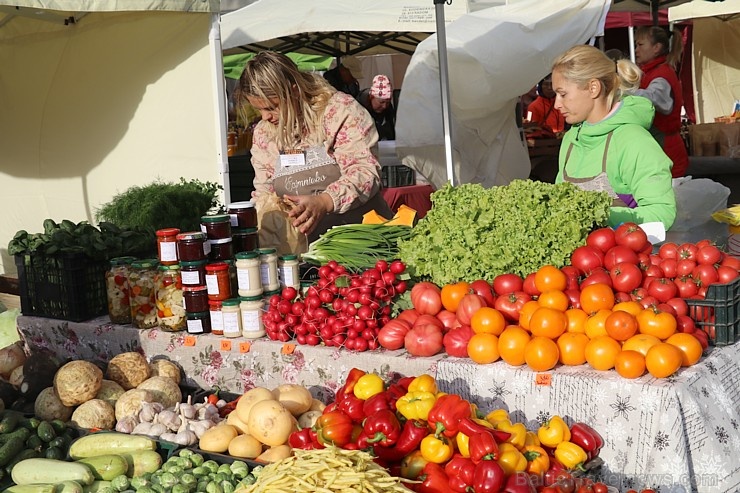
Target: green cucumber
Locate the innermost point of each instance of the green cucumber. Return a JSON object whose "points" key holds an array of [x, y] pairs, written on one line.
{"points": [[54, 453], [22, 433], [59, 426], [9, 421], [35, 443], [46, 432], [42, 471], [106, 467], [10, 449], [31, 423]]}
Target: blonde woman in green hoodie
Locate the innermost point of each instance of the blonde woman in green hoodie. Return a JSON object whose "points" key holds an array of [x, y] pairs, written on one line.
{"points": [[608, 147]]}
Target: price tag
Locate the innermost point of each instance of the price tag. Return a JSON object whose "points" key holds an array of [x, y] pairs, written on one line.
{"points": [[225, 345], [288, 348], [544, 379], [244, 347], [190, 341]]}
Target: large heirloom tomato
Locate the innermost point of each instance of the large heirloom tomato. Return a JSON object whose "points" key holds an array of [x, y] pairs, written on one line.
{"points": [[426, 298], [631, 235]]}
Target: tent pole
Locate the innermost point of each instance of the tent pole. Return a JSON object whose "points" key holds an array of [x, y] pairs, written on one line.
{"points": [[444, 86], [219, 90], [631, 36]]}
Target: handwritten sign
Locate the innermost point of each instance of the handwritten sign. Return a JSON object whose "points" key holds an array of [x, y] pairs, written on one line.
{"points": [[244, 347], [543, 379], [190, 341], [288, 348], [225, 345]]}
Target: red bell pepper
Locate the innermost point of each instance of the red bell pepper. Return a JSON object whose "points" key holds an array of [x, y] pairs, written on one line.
{"points": [[351, 406], [395, 392], [551, 476], [405, 382], [382, 428], [376, 403], [587, 438], [305, 439], [433, 479], [519, 482], [470, 428], [352, 377], [482, 447], [446, 414], [412, 434], [488, 477], [460, 471], [334, 428]]}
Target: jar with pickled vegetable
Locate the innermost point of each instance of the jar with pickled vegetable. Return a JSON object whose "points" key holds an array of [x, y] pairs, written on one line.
{"points": [[116, 283], [170, 305], [218, 281], [142, 293]]}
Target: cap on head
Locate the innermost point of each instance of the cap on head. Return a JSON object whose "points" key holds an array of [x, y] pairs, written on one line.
{"points": [[381, 88], [353, 65]]}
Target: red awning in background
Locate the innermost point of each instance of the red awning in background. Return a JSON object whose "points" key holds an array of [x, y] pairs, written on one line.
{"points": [[627, 19]]}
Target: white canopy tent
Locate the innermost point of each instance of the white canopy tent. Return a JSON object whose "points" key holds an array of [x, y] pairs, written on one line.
{"points": [[98, 96], [715, 55]]}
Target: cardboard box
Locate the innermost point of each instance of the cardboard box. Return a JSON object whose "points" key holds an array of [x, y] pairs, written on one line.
{"points": [[715, 139]]}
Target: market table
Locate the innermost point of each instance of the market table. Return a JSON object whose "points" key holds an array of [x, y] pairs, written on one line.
{"points": [[679, 433]]}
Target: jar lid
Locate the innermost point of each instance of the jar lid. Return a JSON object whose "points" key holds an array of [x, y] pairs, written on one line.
{"points": [[121, 260], [220, 241], [191, 235], [216, 218], [251, 298], [267, 251], [169, 267], [247, 255], [214, 303], [147, 263], [243, 231], [167, 232], [217, 266], [191, 289], [192, 263], [289, 257], [248, 204], [230, 302], [228, 262], [197, 315]]}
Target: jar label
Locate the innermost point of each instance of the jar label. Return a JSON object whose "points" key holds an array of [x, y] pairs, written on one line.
{"points": [[212, 284], [231, 323], [195, 326], [217, 321], [167, 251], [206, 248], [244, 280], [251, 321], [286, 276], [203, 228], [265, 274], [191, 278], [234, 220]]}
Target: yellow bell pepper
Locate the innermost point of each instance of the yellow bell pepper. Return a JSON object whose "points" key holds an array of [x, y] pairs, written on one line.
{"points": [[423, 383], [517, 432], [463, 441], [436, 448], [553, 432], [571, 455], [368, 385], [497, 415], [510, 459], [416, 405], [538, 462], [531, 439]]}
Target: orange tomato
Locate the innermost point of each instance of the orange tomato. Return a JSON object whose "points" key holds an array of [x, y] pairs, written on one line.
{"points": [[640, 343], [541, 354], [620, 325], [596, 323], [572, 347], [548, 278], [488, 320], [483, 348], [656, 323], [557, 300], [595, 297], [601, 352], [663, 359], [630, 364], [576, 320], [453, 293], [525, 314], [689, 346], [511, 344], [548, 322], [632, 307]]}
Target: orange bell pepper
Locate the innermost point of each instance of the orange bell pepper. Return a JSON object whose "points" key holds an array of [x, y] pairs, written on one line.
{"points": [[517, 432], [538, 461], [553, 432], [437, 448], [423, 383], [497, 415], [510, 459]]}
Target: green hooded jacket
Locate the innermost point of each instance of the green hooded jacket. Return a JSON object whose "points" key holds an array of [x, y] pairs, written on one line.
{"points": [[636, 165]]}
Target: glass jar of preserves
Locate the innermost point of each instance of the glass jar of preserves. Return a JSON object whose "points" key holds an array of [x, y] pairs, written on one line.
{"points": [[217, 317], [167, 245], [193, 273], [222, 250], [268, 269], [251, 308], [116, 283], [216, 227], [217, 281], [170, 309], [288, 271], [195, 299], [192, 246], [242, 214], [245, 239], [248, 273], [199, 323], [142, 293], [232, 317]]}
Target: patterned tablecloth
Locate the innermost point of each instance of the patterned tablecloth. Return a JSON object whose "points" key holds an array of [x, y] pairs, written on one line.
{"points": [[678, 434]]}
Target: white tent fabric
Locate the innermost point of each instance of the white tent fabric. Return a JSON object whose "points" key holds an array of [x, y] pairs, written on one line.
{"points": [[493, 56], [89, 109], [715, 55]]}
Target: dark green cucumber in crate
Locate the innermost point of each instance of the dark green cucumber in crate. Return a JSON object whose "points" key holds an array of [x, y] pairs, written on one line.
{"points": [[718, 314]]}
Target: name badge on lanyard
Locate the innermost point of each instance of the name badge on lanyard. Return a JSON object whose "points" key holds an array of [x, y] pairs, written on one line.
{"points": [[293, 157]]}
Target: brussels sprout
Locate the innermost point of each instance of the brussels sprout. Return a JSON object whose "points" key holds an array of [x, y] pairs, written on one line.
{"points": [[211, 465], [196, 459], [185, 452], [185, 463], [188, 479], [120, 483], [214, 487], [200, 472], [139, 482], [174, 470], [202, 485], [145, 489], [227, 486], [168, 480], [180, 488], [248, 479]]}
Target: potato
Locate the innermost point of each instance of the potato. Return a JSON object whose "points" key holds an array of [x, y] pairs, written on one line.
{"points": [[77, 382], [245, 447], [95, 413], [217, 439], [296, 398], [249, 399], [48, 406], [233, 420], [275, 454], [128, 370], [271, 423]]}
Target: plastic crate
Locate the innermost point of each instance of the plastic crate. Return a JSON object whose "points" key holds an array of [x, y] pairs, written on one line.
{"points": [[718, 314], [397, 176], [68, 287]]}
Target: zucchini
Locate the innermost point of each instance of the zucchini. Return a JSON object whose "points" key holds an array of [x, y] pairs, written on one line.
{"points": [[109, 443], [10, 449], [23, 455], [9, 422], [69, 487], [32, 471], [46, 432], [142, 462], [106, 467], [96, 486], [32, 488]]}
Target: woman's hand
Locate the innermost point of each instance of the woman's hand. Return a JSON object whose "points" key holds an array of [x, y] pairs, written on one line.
{"points": [[309, 210]]}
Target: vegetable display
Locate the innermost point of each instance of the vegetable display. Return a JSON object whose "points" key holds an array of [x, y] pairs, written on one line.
{"points": [[474, 233]]}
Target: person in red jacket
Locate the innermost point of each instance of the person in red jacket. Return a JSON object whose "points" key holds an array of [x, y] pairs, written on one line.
{"points": [[661, 86], [550, 122]]}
